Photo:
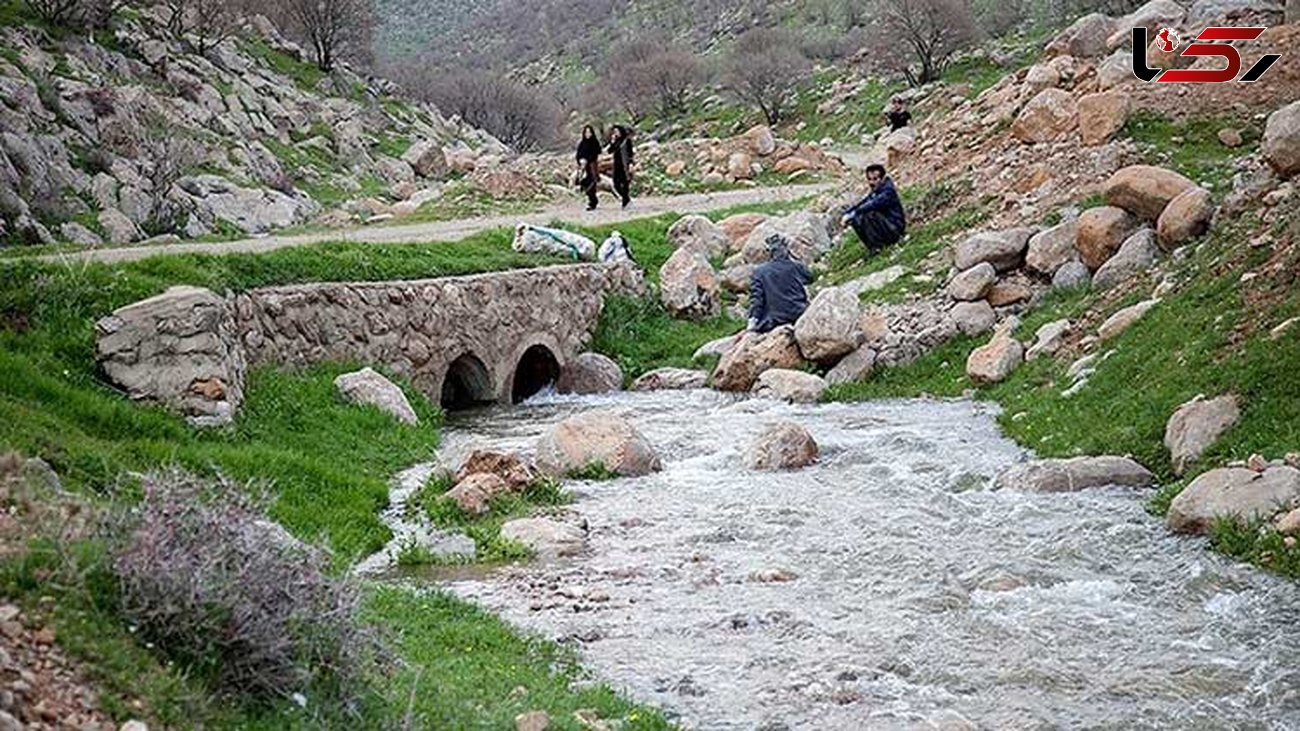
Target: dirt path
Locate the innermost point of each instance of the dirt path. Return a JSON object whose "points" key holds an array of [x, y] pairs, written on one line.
{"points": [[568, 212]]}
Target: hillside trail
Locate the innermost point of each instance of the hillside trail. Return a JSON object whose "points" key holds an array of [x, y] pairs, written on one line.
{"points": [[569, 212]]}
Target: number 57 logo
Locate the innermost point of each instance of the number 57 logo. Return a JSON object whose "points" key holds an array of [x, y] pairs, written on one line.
{"points": [[1169, 42]]}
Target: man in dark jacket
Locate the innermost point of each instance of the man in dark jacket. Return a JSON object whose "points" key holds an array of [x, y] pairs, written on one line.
{"points": [[776, 290], [878, 219]]}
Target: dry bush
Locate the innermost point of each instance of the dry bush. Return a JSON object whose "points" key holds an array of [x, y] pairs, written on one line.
{"points": [[204, 23], [332, 29], [166, 158], [217, 587], [765, 68], [525, 118], [920, 37], [652, 75], [34, 506], [76, 13]]}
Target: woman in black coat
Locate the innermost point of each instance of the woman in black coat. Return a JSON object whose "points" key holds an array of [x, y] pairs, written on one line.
{"points": [[588, 157], [620, 146]]}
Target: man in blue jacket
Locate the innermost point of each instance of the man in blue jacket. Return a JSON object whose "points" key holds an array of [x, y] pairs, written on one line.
{"points": [[776, 289], [878, 219]]}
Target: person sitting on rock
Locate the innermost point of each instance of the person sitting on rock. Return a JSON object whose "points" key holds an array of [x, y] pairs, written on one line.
{"points": [[897, 115], [776, 289], [878, 219]]}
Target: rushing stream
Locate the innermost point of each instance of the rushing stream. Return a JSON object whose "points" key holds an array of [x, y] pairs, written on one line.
{"points": [[887, 587]]}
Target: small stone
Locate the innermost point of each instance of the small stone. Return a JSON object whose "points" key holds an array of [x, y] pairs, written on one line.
{"points": [[44, 636], [1293, 459], [9, 613], [1230, 137], [134, 725], [1289, 542], [532, 721], [773, 576], [1257, 463]]}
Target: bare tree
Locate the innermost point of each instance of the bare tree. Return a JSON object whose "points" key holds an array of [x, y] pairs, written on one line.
{"points": [[764, 69], [334, 29], [522, 117], [205, 23], [928, 32], [650, 73], [76, 13]]}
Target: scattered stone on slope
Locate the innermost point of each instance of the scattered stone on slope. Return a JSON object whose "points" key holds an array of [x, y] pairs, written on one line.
{"points": [[974, 283], [1187, 216], [996, 360], [1048, 339], [1232, 492], [688, 286], [755, 353], [1050, 249], [368, 387], [1145, 190], [1124, 319], [698, 233], [1135, 256], [828, 329], [1281, 143], [1005, 250], [1101, 232], [1196, 425]]}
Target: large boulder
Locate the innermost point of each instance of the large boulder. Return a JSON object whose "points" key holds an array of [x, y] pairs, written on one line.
{"points": [[1072, 475], [1048, 339], [1153, 16], [1072, 275], [514, 470], [828, 329], [688, 286], [670, 379], [754, 354], [1196, 426], [1124, 319], [737, 279], [1187, 216], [590, 373], [854, 367], [1145, 190], [547, 538], [179, 348], [1233, 493], [973, 318], [974, 283], [737, 228], [368, 387], [1208, 12], [1136, 255], [698, 233], [1005, 250], [474, 493], [119, 229], [1101, 232], [995, 361], [760, 140], [1051, 248], [786, 385], [1101, 115], [782, 446], [1085, 38], [427, 159], [596, 438], [1116, 70], [1050, 116], [806, 231], [740, 166], [1281, 144]]}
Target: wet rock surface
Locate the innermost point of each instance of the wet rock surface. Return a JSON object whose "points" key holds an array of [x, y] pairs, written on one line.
{"points": [[883, 586]]}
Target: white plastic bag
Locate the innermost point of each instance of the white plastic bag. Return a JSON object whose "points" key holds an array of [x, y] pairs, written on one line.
{"points": [[541, 240]]}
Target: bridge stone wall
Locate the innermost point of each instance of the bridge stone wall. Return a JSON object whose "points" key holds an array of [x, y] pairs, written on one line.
{"points": [[417, 329]]}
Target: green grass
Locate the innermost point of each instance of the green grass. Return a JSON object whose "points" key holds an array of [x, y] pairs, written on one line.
{"points": [[306, 75], [486, 529], [1187, 345], [1192, 146], [640, 336], [1257, 543], [327, 465]]}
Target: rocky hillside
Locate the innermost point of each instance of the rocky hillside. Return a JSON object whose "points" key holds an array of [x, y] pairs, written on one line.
{"points": [[131, 134]]}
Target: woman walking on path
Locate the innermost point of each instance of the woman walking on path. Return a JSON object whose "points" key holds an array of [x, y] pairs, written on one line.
{"points": [[588, 156], [620, 146]]}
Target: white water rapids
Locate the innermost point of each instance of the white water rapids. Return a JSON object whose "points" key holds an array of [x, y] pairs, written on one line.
{"points": [[919, 598]]}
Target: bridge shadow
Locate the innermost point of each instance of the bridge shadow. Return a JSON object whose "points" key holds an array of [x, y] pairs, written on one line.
{"points": [[538, 369], [467, 384]]}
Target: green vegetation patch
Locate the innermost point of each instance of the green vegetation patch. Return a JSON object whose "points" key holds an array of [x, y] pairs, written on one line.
{"points": [[1192, 146], [306, 75], [485, 529]]}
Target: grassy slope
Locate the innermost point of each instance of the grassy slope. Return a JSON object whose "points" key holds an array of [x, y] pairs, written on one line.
{"points": [[1205, 338], [327, 464]]}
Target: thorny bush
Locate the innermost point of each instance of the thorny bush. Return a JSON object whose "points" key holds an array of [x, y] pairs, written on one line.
{"points": [[217, 587]]}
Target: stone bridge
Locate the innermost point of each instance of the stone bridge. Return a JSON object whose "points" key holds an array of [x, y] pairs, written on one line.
{"points": [[485, 338]]}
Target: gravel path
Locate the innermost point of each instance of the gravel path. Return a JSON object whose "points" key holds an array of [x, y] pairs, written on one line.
{"points": [[567, 212]]}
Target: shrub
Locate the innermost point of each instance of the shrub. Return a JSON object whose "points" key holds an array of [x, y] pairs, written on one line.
{"points": [[765, 69], [75, 13], [233, 596]]}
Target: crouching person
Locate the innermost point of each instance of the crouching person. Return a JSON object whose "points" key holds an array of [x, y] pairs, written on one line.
{"points": [[776, 289], [878, 219]]}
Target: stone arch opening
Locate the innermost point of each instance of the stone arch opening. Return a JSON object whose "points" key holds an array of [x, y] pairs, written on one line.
{"points": [[467, 384], [537, 370]]}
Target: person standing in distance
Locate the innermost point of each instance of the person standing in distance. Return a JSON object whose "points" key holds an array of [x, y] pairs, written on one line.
{"points": [[588, 156], [620, 147]]}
